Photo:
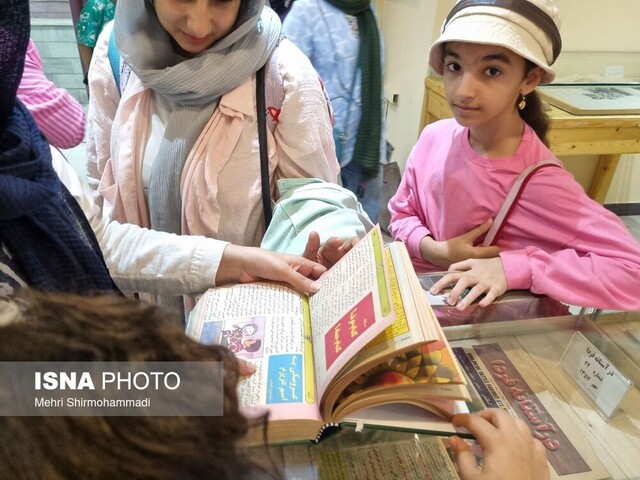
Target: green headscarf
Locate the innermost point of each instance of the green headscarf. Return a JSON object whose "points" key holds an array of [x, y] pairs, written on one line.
{"points": [[366, 152]]}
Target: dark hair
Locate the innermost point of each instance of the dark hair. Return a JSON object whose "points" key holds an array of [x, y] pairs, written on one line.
{"points": [[533, 113], [55, 327]]}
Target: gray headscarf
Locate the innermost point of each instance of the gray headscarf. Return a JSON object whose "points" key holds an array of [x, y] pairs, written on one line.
{"points": [[195, 85]]}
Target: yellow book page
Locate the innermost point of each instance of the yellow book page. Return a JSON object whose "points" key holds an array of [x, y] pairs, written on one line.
{"points": [[400, 326]]}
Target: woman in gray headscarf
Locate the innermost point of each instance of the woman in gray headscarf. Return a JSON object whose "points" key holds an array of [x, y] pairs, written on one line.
{"points": [[179, 151], [53, 236]]}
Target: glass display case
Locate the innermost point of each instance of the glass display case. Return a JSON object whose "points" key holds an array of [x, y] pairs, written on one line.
{"points": [[617, 334], [596, 83], [520, 365], [588, 67]]}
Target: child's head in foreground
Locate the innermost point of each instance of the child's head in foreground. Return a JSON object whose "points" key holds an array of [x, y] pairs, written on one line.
{"points": [[70, 328]]}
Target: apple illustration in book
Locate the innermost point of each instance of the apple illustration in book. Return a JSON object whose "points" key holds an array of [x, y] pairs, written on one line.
{"points": [[387, 378]]}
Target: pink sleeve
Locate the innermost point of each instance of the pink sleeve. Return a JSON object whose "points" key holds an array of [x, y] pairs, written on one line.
{"points": [[408, 222], [597, 264], [56, 112]]}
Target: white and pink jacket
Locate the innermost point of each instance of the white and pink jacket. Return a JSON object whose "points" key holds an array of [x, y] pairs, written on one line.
{"points": [[220, 184]]}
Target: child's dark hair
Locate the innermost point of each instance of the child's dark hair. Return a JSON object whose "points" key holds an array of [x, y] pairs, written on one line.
{"points": [[55, 327], [533, 113]]}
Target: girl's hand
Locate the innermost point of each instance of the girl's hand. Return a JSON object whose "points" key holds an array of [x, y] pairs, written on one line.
{"points": [[457, 249], [509, 450], [474, 277]]}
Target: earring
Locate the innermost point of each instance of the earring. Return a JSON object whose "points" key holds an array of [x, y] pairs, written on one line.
{"points": [[523, 103]]}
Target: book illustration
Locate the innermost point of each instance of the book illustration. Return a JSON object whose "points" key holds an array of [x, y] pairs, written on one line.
{"points": [[357, 281], [275, 316], [431, 363], [244, 338]]}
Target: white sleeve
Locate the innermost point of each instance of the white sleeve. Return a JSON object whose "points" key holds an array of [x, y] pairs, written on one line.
{"points": [[142, 260]]}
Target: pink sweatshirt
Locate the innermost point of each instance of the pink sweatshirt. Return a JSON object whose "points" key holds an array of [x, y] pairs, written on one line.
{"points": [[56, 112], [556, 242]]}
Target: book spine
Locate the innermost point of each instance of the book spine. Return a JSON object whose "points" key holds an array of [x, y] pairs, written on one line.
{"points": [[326, 430]]}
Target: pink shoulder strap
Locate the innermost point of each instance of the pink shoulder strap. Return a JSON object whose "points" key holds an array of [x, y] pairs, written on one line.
{"points": [[512, 197]]}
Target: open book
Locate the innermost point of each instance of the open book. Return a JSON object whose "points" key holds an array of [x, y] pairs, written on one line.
{"points": [[367, 338]]}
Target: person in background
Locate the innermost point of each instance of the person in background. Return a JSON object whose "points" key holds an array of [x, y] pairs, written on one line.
{"points": [[344, 43], [58, 114], [555, 241], [94, 16], [53, 235], [179, 150], [69, 328], [45, 239], [193, 78], [281, 7]]}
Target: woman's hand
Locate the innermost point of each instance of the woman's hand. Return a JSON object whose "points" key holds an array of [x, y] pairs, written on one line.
{"points": [[252, 264], [509, 450], [328, 254], [473, 278]]}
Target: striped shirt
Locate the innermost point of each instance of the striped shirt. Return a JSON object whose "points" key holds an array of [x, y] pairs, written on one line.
{"points": [[56, 112]]}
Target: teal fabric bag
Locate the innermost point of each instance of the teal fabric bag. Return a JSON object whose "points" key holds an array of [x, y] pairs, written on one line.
{"points": [[310, 204]]}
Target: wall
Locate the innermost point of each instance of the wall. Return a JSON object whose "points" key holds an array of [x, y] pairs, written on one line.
{"points": [[53, 32], [49, 9], [597, 26], [409, 27], [406, 26]]}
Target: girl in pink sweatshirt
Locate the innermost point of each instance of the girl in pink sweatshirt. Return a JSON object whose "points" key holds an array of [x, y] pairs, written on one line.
{"points": [[556, 241]]}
